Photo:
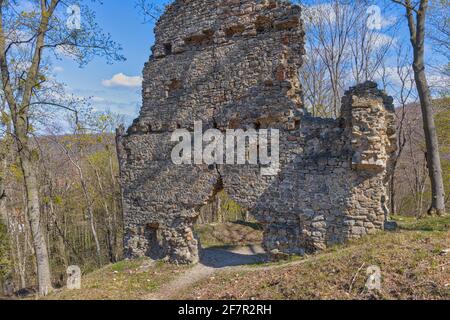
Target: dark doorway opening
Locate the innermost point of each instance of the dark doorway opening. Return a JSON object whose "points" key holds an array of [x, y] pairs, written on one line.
{"points": [[222, 222], [155, 245]]}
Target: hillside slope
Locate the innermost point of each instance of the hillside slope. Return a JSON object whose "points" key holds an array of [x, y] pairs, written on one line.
{"points": [[414, 262]]}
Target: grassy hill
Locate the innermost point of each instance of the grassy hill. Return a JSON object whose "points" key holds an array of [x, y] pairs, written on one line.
{"points": [[414, 262]]}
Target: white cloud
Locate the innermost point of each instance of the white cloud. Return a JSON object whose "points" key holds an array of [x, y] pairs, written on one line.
{"points": [[68, 51], [19, 37], [122, 80], [126, 106], [98, 99], [380, 40], [388, 21], [438, 81], [326, 14], [25, 6], [319, 14], [58, 69], [393, 75]]}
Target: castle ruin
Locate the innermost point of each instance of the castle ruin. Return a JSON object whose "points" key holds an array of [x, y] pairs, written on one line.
{"points": [[233, 64]]}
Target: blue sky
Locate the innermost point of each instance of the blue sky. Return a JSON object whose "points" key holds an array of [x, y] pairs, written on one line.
{"points": [[116, 87], [126, 25]]}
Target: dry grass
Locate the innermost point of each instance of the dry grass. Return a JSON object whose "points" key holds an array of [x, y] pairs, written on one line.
{"points": [[412, 262], [126, 280]]}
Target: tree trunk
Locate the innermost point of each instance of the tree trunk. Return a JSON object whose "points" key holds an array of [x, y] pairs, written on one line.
{"points": [[90, 212], [94, 232], [393, 206], [417, 33], [59, 235], [432, 144], [3, 213], [21, 258], [20, 119], [36, 226], [110, 231], [4, 157], [117, 195]]}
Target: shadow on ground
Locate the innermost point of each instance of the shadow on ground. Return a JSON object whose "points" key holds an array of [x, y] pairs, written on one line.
{"points": [[224, 257]]}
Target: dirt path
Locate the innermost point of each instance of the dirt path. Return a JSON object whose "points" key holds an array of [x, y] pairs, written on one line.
{"points": [[217, 260], [211, 261]]}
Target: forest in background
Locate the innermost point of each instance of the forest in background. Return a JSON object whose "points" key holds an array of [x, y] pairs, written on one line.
{"points": [[80, 192], [72, 153]]}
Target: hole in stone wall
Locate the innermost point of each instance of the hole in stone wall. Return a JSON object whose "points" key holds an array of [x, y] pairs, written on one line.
{"points": [[155, 246], [272, 4], [174, 87], [263, 24], [233, 30], [268, 83], [201, 39], [234, 123], [167, 49], [288, 24], [223, 222]]}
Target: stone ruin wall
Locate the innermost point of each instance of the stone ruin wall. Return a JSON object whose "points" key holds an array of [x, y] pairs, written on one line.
{"points": [[233, 65]]}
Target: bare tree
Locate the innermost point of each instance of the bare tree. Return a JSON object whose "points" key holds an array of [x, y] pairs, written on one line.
{"points": [[439, 33], [151, 9], [416, 14], [4, 150], [342, 50], [31, 35], [404, 95], [369, 46], [316, 85], [87, 198], [328, 28]]}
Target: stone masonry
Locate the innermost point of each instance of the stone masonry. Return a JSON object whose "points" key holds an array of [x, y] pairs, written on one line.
{"points": [[232, 64]]}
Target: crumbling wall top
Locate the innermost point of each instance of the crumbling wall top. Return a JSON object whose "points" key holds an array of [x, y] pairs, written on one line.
{"points": [[226, 63]]}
